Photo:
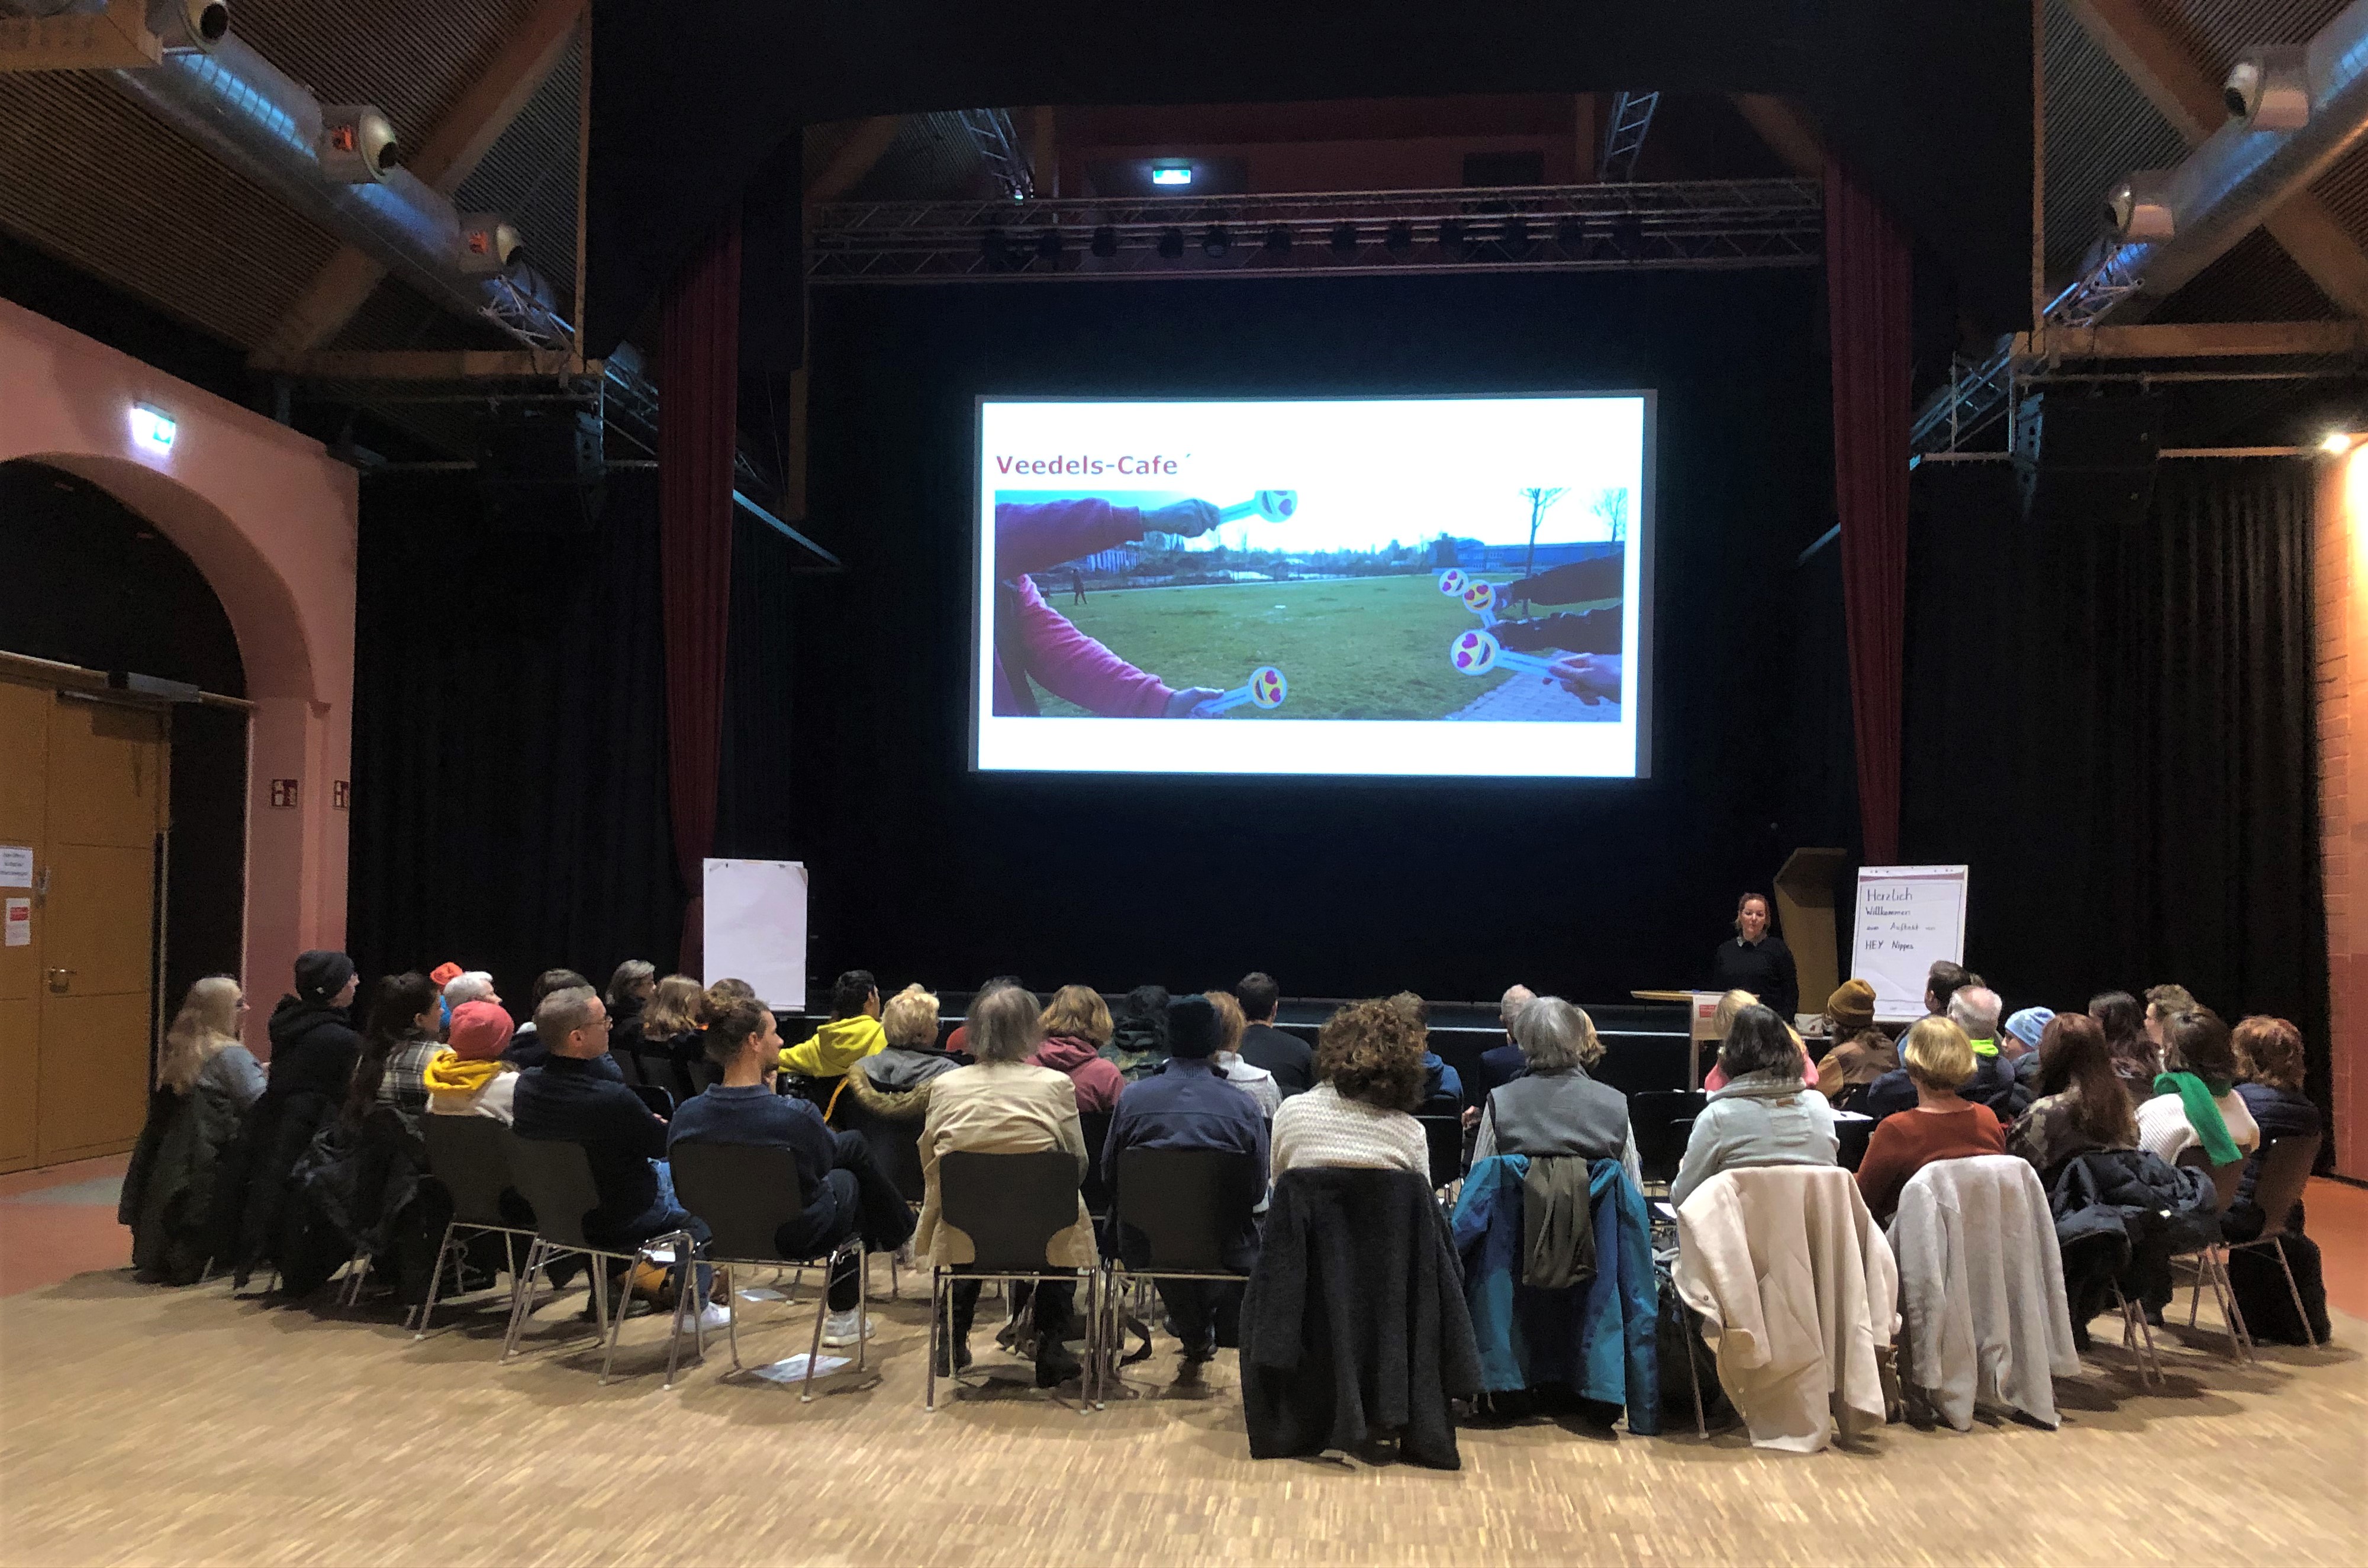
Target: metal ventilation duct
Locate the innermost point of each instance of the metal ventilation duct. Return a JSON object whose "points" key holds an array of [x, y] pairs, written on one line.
{"points": [[257, 119], [2234, 179]]}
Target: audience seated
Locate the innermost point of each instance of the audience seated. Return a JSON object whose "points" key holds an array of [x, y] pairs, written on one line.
{"points": [[1764, 1115], [1369, 1080], [661, 1038], [1942, 1126], [313, 1049], [1442, 1086], [894, 1081], [2136, 1058], [460, 985], [468, 1077], [1076, 1027], [1974, 1009], [1138, 1042], [1005, 1105], [2195, 1102], [1723, 1020], [1288, 1057], [526, 1047], [841, 1190], [206, 1081], [1859, 1052], [2018, 1041], [630, 986], [1255, 1082], [575, 1097], [1942, 981], [1501, 1064], [2268, 1059], [1553, 1107], [958, 1042], [2082, 1107], [393, 1067], [852, 1033], [2162, 1002], [1187, 1105]]}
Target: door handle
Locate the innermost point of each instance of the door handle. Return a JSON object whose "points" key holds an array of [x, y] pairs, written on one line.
{"points": [[59, 985]]}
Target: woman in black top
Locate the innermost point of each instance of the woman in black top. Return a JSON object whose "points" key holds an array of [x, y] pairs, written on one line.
{"points": [[1758, 960]]}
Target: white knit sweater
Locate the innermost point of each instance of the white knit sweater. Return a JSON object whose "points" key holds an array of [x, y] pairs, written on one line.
{"points": [[1320, 1128]]}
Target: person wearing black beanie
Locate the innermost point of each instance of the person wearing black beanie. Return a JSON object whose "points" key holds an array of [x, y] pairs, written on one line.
{"points": [[1187, 1104]]}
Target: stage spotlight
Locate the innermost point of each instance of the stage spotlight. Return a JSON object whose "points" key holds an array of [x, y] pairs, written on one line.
{"points": [[2335, 441], [1171, 245], [1105, 242], [2139, 207], [1277, 240], [995, 247], [1399, 240], [1344, 239], [1216, 242], [1451, 234], [1570, 234], [2269, 89], [1048, 246]]}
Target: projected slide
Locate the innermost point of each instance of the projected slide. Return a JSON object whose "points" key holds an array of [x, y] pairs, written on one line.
{"points": [[1369, 586]]}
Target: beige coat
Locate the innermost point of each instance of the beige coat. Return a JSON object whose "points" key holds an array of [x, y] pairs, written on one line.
{"points": [[1000, 1108], [1798, 1289]]}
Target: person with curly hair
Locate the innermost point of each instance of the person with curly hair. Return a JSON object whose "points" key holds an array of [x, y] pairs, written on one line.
{"points": [[1370, 1078], [2269, 1061]]}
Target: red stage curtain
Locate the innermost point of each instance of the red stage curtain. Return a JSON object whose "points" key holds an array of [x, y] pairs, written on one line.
{"points": [[699, 381], [1868, 281]]}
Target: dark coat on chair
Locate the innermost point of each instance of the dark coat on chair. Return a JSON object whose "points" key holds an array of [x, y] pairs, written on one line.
{"points": [[1354, 1325], [2154, 1209]]}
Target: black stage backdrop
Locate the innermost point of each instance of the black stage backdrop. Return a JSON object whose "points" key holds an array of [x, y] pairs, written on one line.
{"points": [[510, 733], [2113, 726], [923, 869]]}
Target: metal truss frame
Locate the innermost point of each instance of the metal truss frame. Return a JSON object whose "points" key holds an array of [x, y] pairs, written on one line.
{"points": [[1684, 224], [1624, 136]]}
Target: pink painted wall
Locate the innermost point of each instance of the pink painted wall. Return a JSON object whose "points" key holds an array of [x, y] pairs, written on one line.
{"points": [[270, 519]]}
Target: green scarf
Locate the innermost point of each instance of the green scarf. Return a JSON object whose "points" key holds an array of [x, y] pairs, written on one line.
{"points": [[2202, 1114]]}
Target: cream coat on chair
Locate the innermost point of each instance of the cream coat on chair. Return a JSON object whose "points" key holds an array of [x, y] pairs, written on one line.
{"points": [[1798, 1290], [1000, 1108], [1981, 1285]]}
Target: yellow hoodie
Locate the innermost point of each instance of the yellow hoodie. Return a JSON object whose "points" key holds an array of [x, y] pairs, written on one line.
{"points": [[447, 1073], [836, 1046]]}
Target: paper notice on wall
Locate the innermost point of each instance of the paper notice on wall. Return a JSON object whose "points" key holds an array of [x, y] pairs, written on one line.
{"points": [[15, 865], [19, 923], [1909, 917]]}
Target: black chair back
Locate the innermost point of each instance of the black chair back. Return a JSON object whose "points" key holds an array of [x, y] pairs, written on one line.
{"points": [[1661, 1119], [1097, 1187], [2285, 1170], [1190, 1204], [1444, 1136], [1011, 1206], [746, 1192], [629, 1066], [469, 1154], [1852, 1138], [894, 1143], [555, 1178], [660, 1102]]}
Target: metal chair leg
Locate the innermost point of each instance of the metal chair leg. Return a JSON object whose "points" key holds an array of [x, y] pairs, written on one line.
{"points": [[434, 1279], [813, 1351], [863, 1306], [937, 1339], [686, 1293], [732, 1314], [2240, 1338], [2302, 1314], [522, 1297], [612, 1322]]}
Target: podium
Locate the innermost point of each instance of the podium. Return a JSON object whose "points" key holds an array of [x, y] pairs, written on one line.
{"points": [[1805, 913], [1701, 1011]]}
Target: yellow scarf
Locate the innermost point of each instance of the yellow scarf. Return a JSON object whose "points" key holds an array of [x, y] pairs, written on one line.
{"points": [[448, 1075]]}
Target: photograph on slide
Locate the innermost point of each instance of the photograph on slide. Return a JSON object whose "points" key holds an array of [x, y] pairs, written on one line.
{"points": [[1354, 566]]}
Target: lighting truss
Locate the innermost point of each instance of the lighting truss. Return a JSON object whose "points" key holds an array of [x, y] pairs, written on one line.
{"points": [[1623, 135], [1689, 224], [991, 132]]}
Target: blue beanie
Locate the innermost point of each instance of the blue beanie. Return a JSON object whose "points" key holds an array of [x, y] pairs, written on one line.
{"points": [[2027, 1024]]}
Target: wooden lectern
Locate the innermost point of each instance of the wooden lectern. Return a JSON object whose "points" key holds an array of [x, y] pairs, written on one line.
{"points": [[1805, 914]]}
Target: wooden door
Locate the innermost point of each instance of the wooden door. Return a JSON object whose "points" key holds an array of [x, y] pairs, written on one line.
{"points": [[24, 797], [89, 797]]}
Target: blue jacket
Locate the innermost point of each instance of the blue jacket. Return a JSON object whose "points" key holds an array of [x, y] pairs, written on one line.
{"points": [[1499, 1068], [1602, 1339], [1187, 1105], [1439, 1081]]}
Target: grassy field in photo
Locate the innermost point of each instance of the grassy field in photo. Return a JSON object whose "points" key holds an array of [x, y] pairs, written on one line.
{"points": [[1351, 648]]}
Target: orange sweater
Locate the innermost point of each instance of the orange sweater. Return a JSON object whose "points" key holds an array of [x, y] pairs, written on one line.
{"points": [[1908, 1141]]}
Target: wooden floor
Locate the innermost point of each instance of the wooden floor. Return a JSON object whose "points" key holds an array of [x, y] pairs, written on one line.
{"points": [[139, 1425]]}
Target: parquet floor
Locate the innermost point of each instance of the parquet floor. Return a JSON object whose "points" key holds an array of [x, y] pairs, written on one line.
{"points": [[181, 1426]]}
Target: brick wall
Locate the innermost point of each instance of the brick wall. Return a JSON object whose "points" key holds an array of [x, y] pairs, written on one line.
{"points": [[2342, 634]]}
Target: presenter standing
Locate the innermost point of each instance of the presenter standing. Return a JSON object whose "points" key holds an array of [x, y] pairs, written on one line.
{"points": [[1758, 960]]}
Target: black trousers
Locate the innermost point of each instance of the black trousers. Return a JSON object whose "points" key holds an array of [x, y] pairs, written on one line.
{"points": [[1202, 1308], [869, 1204], [1055, 1304]]}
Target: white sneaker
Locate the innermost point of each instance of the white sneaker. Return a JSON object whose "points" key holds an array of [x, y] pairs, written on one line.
{"points": [[713, 1316], [839, 1328]]}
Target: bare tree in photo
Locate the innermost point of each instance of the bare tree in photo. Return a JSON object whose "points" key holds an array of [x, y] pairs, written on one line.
{"points": [[1611, 505], [1539, 498]]}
